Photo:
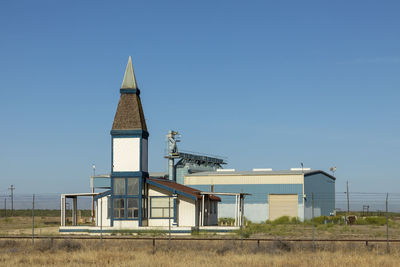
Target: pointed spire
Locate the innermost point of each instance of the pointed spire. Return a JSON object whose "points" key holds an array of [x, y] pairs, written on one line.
{"points": [[129, 77]]}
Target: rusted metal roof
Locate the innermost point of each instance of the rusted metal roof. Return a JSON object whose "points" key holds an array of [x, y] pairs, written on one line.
{"points": [[179, 188]]}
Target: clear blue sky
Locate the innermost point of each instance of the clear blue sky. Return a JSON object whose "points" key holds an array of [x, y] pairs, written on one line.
{"points": [[268, 84]]}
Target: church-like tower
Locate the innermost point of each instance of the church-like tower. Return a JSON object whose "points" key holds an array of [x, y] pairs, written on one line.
{"points": [[129, 156]]}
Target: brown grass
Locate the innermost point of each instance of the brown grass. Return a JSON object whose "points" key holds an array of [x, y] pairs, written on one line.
{"points": [[191, 253]]}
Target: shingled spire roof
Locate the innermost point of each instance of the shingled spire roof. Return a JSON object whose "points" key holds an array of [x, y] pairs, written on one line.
{"points": [[129, 115]]}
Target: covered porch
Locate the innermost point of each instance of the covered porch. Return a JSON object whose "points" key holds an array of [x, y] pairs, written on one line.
{"points": [[74, 198]]}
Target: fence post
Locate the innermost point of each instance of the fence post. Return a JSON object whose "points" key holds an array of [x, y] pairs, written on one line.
{"points": [[33, 219], [312, 219], [348, 202], [387, 224], [101, 220], [169, 222], [154, 245]]}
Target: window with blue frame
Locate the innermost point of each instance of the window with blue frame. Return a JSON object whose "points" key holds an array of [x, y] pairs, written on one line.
{"points": [[126, 198], [119, 186], [161, 207], [108, 207], [132, 186], [119, 207], [133, 208]]}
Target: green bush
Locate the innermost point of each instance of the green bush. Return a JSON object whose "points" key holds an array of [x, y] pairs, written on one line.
{"points": [[373, 220], [255, 228], [285, 220], [326, 220], [226, 221]]}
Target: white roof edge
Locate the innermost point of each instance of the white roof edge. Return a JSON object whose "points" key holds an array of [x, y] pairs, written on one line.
{"points": [[226, 170], [262, 169], [300, 169]]}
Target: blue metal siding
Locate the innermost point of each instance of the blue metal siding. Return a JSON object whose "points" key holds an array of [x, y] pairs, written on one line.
{"points": [[102, 182], [323, 188], [259, 192]]}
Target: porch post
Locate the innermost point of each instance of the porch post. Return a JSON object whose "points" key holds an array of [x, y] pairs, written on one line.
{"points": [[74, 211], [202, 210], [63, 210]]}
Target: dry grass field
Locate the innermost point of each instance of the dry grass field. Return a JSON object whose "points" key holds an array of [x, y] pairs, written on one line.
{"points": [[47, 252], [191, 253], [48, 225]]}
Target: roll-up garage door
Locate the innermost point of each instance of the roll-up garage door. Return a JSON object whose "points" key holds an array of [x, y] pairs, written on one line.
{"points": [[282, 205]]}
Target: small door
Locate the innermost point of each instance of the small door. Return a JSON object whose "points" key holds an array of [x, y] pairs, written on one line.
{"points": [[282, 205]]}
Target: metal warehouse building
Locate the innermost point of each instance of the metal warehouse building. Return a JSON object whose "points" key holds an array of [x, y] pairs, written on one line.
{"points": [[273, 193]]}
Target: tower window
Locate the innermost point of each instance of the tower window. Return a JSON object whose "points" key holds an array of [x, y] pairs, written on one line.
{"points": [[133, 208], [133, 186], [119, 186], [119, 208]]}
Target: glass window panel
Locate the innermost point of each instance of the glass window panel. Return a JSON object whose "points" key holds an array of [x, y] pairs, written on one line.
{"points": [[119, 208], [119, 186], [133, 203], [119, 203], [108, 207], [162, 202], [159, 202], [157, 212], [133, 186], [133, 207], [162, 207]]}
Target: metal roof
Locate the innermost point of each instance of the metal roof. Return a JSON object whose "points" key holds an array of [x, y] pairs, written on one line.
{"points": [[263, 173], [178, 188]]}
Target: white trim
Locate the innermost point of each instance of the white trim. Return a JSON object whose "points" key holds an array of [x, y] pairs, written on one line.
{"points": [[245, 179]]}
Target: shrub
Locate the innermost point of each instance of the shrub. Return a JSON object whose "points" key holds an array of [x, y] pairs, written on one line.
{"points": [[226, 221], [44, 245], [282, 220], [69, 245], [376, 220], [8, 243], [285, 246], [286, 220]]}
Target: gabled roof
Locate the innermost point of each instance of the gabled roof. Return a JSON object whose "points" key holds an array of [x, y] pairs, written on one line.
{"points": [[129, 115], [312, 172], [180, 189]]}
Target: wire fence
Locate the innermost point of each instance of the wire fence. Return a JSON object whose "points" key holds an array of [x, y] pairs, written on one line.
{"points": [[363, 216], [363, 203]]}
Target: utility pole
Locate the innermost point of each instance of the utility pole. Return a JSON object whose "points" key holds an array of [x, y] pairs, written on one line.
{"points": [[312, 217], [12, 188], [94, 174], [169, 222], [5, 206], [348, 200], [33, 218], [101, 221], [241, 215], [387, 224]]}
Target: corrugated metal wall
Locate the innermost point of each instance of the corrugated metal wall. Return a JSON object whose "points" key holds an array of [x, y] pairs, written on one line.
{"points": [[256, 205], [323, 188], [259, 192]]}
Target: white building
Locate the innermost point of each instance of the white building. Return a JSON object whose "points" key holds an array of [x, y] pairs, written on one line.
{"points": [[134, 200], [166, 203]]}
